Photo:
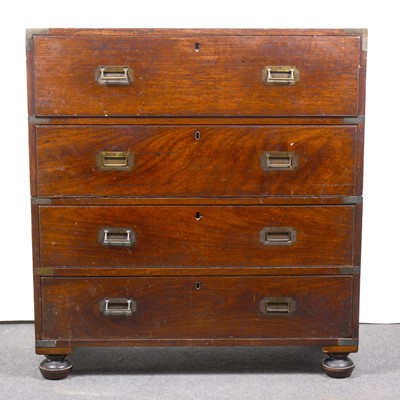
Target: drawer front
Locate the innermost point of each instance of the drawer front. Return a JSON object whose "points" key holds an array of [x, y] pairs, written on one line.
{"points": [[195, 161], [197, 236], [196, 308], [208, 75]]}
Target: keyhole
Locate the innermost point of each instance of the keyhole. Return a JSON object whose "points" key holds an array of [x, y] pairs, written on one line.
{"points": [[198, 215], [197, 285], [197, 47], [197, 135]]}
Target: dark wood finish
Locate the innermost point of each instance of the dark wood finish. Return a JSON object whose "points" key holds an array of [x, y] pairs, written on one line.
{"points": [[356, 306], [55, 367], [36, 264], [171, 236], [338, 365], [196, 282], [29, 81], [357, 261], [340, 349], [363, 75], [359, 160], [172, 79], [307, 341], [54, 350], [190, 308], [169, 161], [32, 160]]}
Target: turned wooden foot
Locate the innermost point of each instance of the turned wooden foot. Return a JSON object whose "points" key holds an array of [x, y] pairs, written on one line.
{"points": [[55, 367], [338, 365]]}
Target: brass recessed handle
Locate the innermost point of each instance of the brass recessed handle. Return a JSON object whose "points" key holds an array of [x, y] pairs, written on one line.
{"points": [[114, 75], [120, 237], [117, 306], [278, 236], [114, 160], [280, 74], [278, 160], [277, 305]]}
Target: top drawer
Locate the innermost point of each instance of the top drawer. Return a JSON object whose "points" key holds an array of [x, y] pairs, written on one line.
{"points": [[204, 75]]}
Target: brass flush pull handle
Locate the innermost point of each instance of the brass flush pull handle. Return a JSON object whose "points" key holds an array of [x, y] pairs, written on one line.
{"points": [[114, 160], [117, 306], [281, 74], [122, 237], [277, 236], [114, 75], [278, 160], [277, 305]]}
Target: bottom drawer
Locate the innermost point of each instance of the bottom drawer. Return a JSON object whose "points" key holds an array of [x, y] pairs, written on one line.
{"points": [[196, 308]]}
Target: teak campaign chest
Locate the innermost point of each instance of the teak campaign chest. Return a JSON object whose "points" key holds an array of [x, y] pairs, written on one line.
{"points": [[196, 187]]}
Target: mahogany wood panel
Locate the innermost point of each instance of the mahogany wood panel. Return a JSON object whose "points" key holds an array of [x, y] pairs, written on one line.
{"points": [[172, 79], [171, 236], [169, 161], [190, 308], [197, 207]]}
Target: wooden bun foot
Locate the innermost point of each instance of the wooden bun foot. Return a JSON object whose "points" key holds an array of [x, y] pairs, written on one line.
{"points": [[338, 365], [55, 367]]}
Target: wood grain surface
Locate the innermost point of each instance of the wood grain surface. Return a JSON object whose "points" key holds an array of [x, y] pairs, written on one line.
{"points": [[169, 161], [171, 236], [198, 206], [172, 79], [193, 308]]}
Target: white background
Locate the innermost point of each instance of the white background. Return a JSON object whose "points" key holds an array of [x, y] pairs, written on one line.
{"points": [[380, 300]]}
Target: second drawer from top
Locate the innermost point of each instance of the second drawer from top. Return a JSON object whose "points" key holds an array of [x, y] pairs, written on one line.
{"points": [[185, 161]]}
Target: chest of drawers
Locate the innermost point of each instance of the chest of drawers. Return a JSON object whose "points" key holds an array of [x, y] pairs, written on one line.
{"points": [[196, 187]]}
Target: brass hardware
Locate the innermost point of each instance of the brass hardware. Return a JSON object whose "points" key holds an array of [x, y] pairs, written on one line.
{"points": [[30, 33], [123, 237], [278, 160], [114, 75], [46, 343], [197, 47], [197, 135], [349, 270], [44, 271], [114, 160], [198, 216], [352, 200], [278, 236], [277, 305], [38, 121], [347, 342], [40, 201], [354, 120], [117, 306], [363, 34], [282, 74]]}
